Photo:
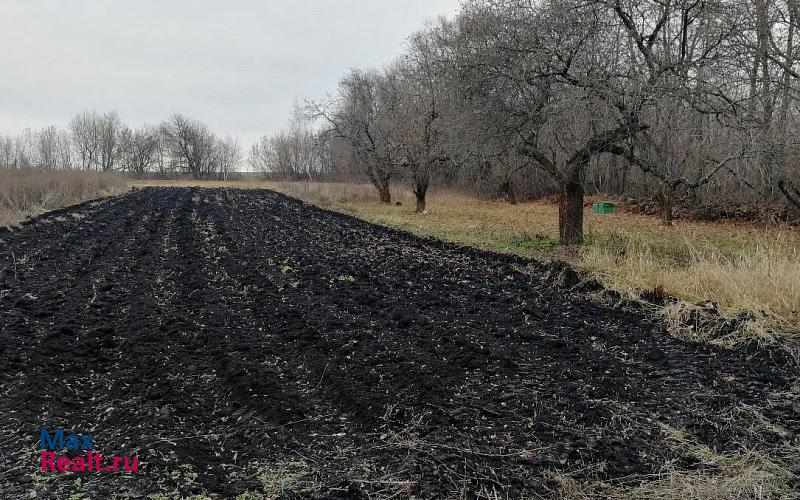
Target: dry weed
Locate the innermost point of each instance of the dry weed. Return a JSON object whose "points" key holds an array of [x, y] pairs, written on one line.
{"points": [[27, 193]]}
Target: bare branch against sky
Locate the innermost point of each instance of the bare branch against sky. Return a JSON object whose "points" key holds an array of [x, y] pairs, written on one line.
{"points": [[238, 65]]}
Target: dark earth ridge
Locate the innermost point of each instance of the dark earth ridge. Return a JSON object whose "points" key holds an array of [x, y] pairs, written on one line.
{"points": [[238, 339]]}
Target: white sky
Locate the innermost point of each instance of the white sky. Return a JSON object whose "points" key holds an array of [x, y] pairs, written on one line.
{"points": [[237, 65]]}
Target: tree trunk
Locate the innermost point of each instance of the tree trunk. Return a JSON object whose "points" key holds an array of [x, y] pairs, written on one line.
{"points": [[666, 211], [570, 213], [420, 188], [381, 180], [420, 203], [508, 190], [665, 202], [385, 195]]}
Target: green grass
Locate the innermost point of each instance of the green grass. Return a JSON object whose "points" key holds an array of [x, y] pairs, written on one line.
{"points": [[527, 244]]}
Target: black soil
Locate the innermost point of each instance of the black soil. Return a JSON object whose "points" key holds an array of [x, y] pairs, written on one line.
{"points": [[243, 341]]}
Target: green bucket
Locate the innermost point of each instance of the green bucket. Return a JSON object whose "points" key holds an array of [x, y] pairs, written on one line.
{"points": [[603, 207]]}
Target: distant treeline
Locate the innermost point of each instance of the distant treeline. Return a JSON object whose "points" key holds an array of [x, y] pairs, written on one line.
{"points": [[101, 141]]}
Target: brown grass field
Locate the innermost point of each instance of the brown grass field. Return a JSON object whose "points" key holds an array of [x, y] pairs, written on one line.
{"points": [[30, 192]]}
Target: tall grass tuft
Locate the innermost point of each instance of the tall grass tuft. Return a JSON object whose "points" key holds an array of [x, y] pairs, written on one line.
{"points": [[30, 192], [761, 278]]}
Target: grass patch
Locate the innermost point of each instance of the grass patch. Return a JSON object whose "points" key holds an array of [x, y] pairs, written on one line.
{"points": [[527, 243], [284, 477], [27, 193]]}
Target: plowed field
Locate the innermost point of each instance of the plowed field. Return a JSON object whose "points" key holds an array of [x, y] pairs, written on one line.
{"points": [[242, 341]]}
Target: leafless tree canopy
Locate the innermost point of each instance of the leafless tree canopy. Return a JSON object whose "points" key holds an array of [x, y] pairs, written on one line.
{"points": [[294, 154]]}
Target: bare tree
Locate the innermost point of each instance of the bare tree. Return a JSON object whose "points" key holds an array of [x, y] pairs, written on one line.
{"points": [[86, 134], [547, 59], [139, 148], [363, 113], [294, 154], [229, 156], [419, 125], [7, 156], [25, 151], [260, 157], [47, 146], [64, 149], [191, 144], [676, 48], [109, 126]]}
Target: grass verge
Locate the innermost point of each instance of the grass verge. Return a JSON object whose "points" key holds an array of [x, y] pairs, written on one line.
{"points": [[27, 193]]}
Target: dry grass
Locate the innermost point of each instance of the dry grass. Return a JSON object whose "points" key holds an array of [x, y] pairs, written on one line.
{"points": [[250, 183], [747, 474], [30, 192], [743, 268]]}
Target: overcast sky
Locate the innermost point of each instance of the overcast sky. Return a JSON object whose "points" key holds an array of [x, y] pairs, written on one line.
{"points": [[237, 65]]}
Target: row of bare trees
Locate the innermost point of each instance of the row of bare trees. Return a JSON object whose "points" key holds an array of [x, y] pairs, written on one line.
{"points": [[666, 98], [295, 153], [101, 141]]}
